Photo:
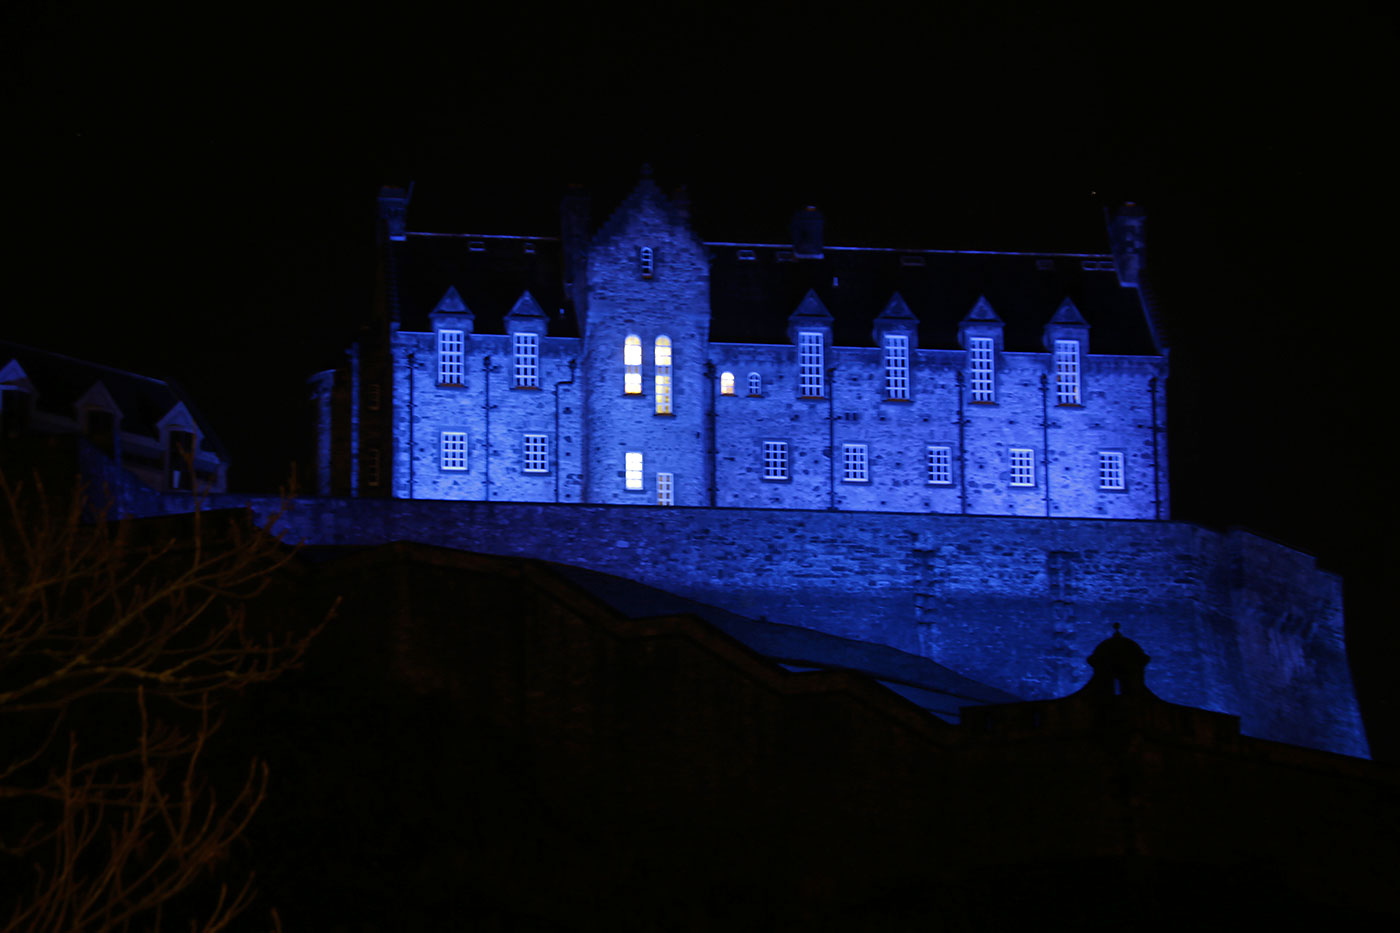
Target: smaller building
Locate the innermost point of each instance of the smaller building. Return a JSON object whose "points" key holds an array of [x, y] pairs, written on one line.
{"points": [[135, 434]]}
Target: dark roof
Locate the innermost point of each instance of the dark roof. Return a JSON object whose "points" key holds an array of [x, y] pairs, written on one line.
{"points": [[59, 381], [489, 273], [751, 298], [919, 680]]}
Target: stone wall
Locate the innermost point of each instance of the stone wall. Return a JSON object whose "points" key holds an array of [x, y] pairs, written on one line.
{"points": [[1235, 623]]}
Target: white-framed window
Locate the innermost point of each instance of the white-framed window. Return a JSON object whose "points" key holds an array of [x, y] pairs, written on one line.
{"points": [[1022, 466], [940, 466], [981, 374], [527, 360], [1111, 474], [632, 365], [855, 459], [1066, 372], [726, 383], [632, 469], [452, 447], [896, 366], [665, 489], [810, 359], [775, 460], [451, 345], [755, 385], [536, 453], [648, 262], [663, 375]]}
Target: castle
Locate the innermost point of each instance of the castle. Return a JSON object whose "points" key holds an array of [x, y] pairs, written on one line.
{"points": [[960, 455]]}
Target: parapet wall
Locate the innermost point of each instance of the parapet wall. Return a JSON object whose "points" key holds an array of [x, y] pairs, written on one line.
{"points": [[1235, 623]]}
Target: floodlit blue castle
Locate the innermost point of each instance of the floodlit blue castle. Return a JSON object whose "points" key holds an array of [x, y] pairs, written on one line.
{"points": [[960, 455]]}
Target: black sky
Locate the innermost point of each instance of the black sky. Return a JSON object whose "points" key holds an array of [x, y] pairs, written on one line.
{"points": [[192, 195]]}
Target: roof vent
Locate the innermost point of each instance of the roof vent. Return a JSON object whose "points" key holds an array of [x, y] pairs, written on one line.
{"points": [[909, 259], [746, 254], [784, 255], [1045, 265], [476, 246]]}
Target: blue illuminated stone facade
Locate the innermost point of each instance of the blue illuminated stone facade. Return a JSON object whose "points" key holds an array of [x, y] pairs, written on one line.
{"points": [[958, 454]]}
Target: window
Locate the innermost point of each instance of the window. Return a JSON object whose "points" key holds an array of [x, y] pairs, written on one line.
{"points": [[665, 489], [450, 347], [453, 450], [940, 466], [527, 360], [979, 362], [856, 458], [648, 260], [896, 366], [1111, 470], [179, 454], [633, 472], [1022, 466], [536, 458], [726, 383], [663, 375], [809, 361], [632, 365], [372, 466], [755, 385], [775, 460], [372, 396], [1066, 372]]}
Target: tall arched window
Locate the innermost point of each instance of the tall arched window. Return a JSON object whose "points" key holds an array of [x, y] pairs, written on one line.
{"points": [[726, 383], [755, 384], [663, 375], [632, 365]]}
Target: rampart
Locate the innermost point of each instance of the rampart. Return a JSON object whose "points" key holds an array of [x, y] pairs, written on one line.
{"points": [[1235, 623]]}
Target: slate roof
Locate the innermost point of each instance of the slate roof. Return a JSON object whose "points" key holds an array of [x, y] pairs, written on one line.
{"points": [[59, 381], [751, 298]]}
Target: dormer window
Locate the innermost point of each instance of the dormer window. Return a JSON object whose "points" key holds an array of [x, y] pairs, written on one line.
{"points": [[451, 345], [526, 351], [101, 430], [1066, 372], [896, 366], [648, 262], [980, 361], [809, 365]]}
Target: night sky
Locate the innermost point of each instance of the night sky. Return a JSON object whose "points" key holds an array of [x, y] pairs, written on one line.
{"points": [[192, 196]]}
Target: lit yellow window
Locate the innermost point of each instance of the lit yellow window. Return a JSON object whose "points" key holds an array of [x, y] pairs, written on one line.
{"points": [[726, 383], [632, 365], [663, 375]]}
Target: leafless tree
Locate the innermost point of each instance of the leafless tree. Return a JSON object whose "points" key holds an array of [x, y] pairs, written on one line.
{"points": [[121, 645]]}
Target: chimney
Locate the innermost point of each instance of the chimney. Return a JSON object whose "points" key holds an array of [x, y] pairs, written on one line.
{"points": [[575, 218], [1125, 237], [393, 210], [807, 233]]}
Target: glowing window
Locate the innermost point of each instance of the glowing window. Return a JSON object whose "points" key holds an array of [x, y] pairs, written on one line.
{"points": [[1111, 470], [1022, 466], [1066, 372], [536, 459], [856, 462], [632, 365], [726, 383], [665, 489], [755, 384], [527, 360], [451, 345], [775, 460], [633, 471], [648, 262], [809, 362], [940, 466], [896, 366], [980, 352], [453, 450], [663, 375]]}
